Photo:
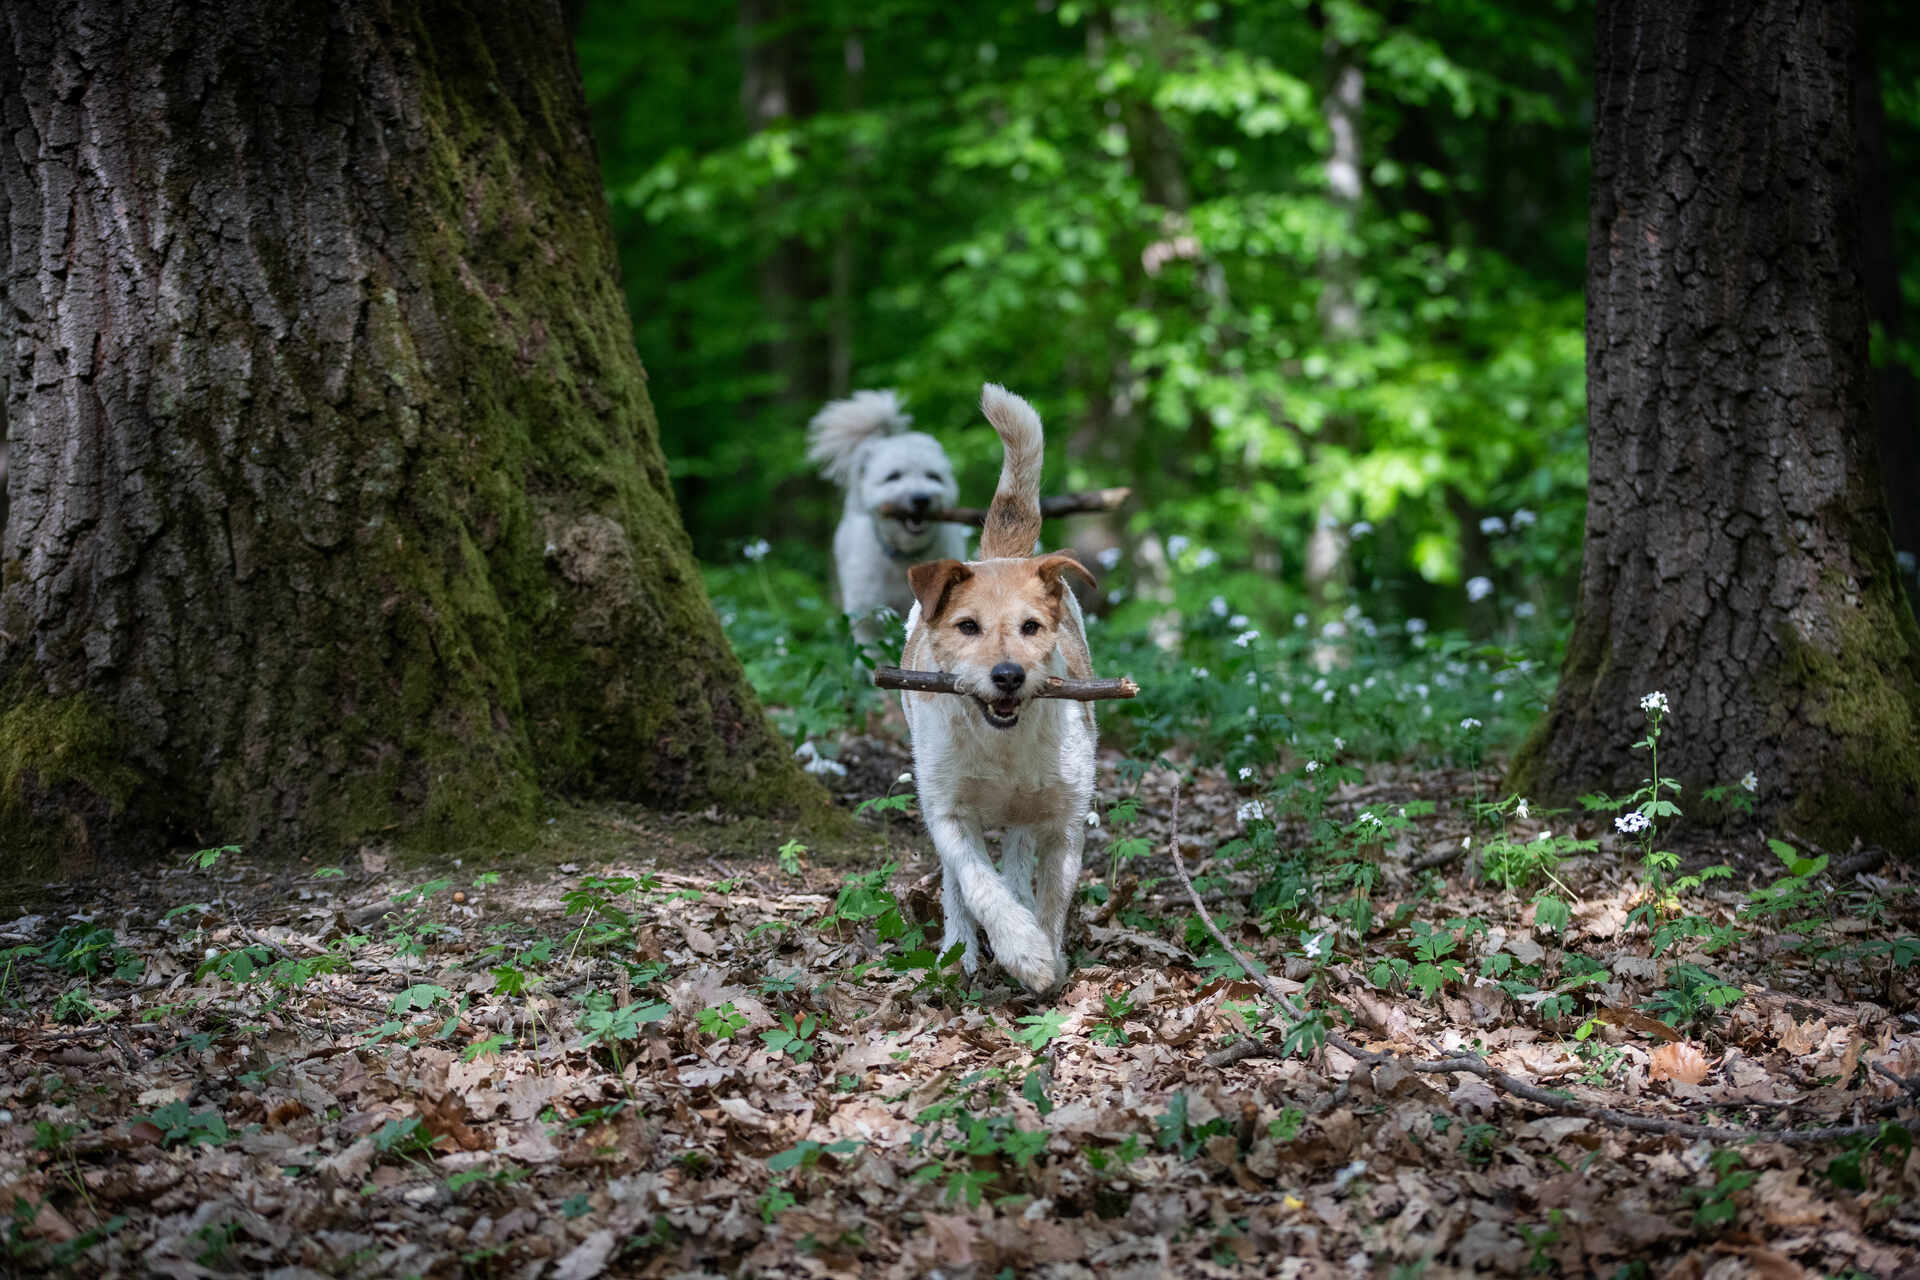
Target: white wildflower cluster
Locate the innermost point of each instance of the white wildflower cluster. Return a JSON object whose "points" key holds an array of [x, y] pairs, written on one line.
{"points": [[1299, 621], [1523, 518], [1251, 811], [1177, 545], [1470, 724], [1632, 824], [1493, 526], [1416, 625], [1201, 673], [1368, 818], [1093, 818], [1520, 809], [1654, 702], [905, 779], [1246, 771], [1206, 558], [1334, 630], [1314, 945], [1246, 638], [757, 549], [1524, 609], [1360, 529], [1751, 782], [1108, 557], [1478, 589], [1238, 622], [1313, 766], [1219, 607]]}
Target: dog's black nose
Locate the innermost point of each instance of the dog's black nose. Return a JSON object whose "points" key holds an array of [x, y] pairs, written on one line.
{"points": [[1008, 677], [921, 502]]}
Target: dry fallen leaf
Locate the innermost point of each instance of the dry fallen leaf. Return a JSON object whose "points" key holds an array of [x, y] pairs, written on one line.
{"points": [[1680, 1062]]}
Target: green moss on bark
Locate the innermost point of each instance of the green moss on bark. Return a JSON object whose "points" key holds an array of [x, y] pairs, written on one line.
{"points": [[1860, 690], [63, 775]]}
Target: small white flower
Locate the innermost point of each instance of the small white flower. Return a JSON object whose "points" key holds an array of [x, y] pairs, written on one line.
{"points": [[904, 779], [1177, 545], [756, 550], [1093, 819], [1466, 842], [1655, 701], [1339, 744], [1478, 589], [1201, 673], [1206, 558], [1750, 782], [1416, 625], [1246, 771], [1327, 696], [1520, 810], [1522, 518], [1246, 638], [1493, 526], [1108, 557], [1334, 630], [1251, 811], [1469, 724], [1238, 622], [1360, 529], [1632, 823], [1219, 606], [1524, 609], [1544, 835], [1299, 620], [1369, 818], [1314, 944], [1313, 766], [1116, 595]]}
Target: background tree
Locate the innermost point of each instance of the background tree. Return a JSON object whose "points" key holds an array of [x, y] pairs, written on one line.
{"points": [[338, 504], [1737, 552]]}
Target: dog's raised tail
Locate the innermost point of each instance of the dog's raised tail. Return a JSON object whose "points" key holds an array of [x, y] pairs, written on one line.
{"points": [[842, 426], [1013, 521]]}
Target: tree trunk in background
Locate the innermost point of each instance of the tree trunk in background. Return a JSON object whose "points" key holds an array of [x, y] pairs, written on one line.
{"points": [[1895, 396], [1737, 555], [1329, 562], [340, 510]]}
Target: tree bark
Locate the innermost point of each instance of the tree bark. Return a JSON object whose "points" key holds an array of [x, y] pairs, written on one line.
{"points": [[1737, 555], [339, 511]]}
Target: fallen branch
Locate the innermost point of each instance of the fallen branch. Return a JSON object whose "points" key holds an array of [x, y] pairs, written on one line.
{"points": [[1061, 504], [1471, 1065], [1095, 690]]}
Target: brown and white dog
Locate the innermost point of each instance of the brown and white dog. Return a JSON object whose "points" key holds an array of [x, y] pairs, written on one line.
{"points": [[998, 756]]}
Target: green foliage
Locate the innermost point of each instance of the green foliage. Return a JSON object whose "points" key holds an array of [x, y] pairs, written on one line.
{"points": [[177, 1125], [1132, 210]]}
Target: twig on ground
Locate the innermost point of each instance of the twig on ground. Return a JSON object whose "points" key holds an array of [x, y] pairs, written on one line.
{"points": [[1094, 690], [1471, 1065], [1086, 502]]}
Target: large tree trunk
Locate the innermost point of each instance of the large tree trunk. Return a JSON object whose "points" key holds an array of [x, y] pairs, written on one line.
{"points": [[339, 505], [1737, 555]]}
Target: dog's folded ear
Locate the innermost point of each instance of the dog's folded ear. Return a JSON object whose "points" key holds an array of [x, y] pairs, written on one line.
{"points": [[1052, 567], [934, 581]]}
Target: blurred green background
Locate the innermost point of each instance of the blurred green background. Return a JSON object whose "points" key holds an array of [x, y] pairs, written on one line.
{"points": [[1308, 276]]}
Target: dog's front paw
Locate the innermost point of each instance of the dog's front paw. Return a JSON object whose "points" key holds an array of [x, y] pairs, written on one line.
{"points": [[1038, 968]]}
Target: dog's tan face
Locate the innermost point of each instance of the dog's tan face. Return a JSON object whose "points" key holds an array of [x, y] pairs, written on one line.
{"points": [[994, 624]]}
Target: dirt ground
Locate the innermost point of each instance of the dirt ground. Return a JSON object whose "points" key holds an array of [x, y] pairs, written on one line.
{"points": [[647, 1047]]}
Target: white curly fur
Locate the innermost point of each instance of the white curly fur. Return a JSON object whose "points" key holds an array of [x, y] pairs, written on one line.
{"points": [[863, 444]]}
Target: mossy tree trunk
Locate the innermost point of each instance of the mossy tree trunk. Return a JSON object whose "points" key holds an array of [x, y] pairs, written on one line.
{"points": [[1737, 555], [338, 505]]}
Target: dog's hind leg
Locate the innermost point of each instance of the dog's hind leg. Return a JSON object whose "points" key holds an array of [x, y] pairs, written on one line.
{"points": [[959, 927], [1019, 943], [1016, 864], [1058, 860]]}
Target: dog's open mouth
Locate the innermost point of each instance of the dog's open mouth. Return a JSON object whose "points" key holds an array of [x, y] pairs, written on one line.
{"points": [[1003, 713], [913, 526]]}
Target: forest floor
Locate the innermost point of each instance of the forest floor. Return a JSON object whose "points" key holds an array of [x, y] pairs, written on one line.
{"points": [[624, 1053]]}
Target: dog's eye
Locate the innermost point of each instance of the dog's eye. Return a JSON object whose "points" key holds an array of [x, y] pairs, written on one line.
{"points": [[967, 627], [891, 478], [934, 476], [1031, 627]]}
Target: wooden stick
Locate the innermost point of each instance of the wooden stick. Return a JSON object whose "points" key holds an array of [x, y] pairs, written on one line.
{"points": [[1095, 690], [1061, 504]]}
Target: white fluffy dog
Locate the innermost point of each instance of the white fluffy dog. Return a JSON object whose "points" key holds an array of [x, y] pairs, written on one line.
{"points": [[862, 444], [993, 755]]}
